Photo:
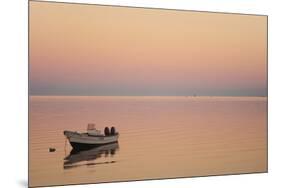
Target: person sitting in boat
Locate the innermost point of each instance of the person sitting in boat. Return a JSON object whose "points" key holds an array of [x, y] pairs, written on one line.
{"points": [[108, 132]]}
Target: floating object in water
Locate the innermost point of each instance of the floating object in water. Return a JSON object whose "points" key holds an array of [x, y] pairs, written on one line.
{"points": [[92, 138], [52, 149]]}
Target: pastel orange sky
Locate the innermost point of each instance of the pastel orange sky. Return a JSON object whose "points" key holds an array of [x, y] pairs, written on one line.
{"points": [[80, 49]]}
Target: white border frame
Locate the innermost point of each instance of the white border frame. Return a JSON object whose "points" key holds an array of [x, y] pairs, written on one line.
{"points": [[13, 72]]}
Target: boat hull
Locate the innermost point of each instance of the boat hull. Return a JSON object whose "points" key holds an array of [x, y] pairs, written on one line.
{"points": [[84, 146]]}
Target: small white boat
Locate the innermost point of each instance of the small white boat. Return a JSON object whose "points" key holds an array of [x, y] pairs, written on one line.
{"points": [[92, 138]]}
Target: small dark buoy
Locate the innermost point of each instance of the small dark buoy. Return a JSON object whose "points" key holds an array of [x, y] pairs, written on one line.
{"points": [[52, 149]]}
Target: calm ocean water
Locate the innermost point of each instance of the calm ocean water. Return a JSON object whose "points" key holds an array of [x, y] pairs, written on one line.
{"points": [[160, 137]]}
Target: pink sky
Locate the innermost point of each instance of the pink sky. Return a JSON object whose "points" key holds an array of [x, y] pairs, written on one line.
{"points": [[103, 50]]}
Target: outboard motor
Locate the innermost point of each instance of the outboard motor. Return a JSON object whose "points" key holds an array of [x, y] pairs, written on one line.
{"points": [[106, 131], [112, 131]]}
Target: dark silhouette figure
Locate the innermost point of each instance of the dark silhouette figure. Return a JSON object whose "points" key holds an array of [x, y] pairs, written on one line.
{"points": [[112, 131], [106, 131]]}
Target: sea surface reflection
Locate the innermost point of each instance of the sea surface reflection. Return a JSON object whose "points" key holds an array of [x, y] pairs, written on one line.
{"points": [[78, 158], [160, 137]]}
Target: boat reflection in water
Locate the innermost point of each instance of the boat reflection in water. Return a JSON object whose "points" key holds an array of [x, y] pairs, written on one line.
{"points": [[78, 158]]}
